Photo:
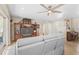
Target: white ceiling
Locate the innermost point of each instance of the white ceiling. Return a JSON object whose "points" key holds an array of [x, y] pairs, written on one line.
{"points": [[31, 11], [71, 11]]}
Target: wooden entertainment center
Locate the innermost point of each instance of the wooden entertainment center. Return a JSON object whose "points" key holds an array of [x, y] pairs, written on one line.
{"points": [[25, 28]]}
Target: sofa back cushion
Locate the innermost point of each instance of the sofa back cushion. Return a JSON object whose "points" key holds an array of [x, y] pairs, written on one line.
{"points": [[30, 40]]}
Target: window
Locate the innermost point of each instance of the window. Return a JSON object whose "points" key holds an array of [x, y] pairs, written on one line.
{"points": [[1, 30]]}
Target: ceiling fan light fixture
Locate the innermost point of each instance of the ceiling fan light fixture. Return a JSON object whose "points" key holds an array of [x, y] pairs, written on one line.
{"points": [[51, 10], [49, 13]]}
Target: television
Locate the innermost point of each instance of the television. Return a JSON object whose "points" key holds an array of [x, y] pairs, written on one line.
{"points": [[26, 31]]}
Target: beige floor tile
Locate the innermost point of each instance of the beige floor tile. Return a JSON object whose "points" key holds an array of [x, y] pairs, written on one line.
{"points": [[71, 48]]}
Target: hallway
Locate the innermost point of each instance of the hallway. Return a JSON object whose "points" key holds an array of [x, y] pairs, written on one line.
{"points": [[71, 48]]}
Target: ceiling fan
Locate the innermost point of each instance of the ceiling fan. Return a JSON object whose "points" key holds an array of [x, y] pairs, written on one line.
{"points": [[50, 9]]}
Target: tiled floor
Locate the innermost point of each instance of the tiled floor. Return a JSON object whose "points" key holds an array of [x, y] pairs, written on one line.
{"points": [[71, 48]]}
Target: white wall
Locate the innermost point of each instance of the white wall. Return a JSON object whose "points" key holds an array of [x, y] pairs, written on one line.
{"points": [[60, 26], [45, 27], [75, 24], [51, 26]]}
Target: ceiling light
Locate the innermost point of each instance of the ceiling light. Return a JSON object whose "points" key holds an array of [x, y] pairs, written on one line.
{"points": [[49, 11]]}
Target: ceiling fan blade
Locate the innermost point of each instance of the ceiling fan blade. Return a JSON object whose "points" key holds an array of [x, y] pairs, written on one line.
{"points": [[44, 6], [57, 6], [56, 11], [43, 12]]}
